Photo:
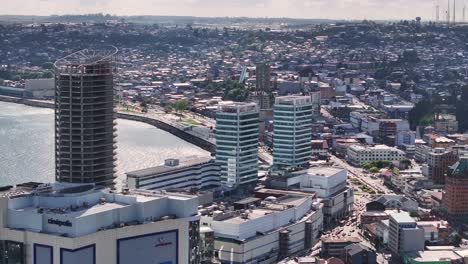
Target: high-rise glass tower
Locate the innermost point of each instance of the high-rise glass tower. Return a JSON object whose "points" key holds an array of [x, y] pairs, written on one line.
{"points": [[84, 118], [237, 143], [292, 131]]}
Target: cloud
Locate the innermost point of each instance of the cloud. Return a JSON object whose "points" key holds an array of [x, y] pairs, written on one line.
{"points": [[348, 9]]}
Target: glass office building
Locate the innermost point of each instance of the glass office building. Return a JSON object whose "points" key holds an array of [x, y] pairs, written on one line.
{"points": [[292, 131], [237, 143]]}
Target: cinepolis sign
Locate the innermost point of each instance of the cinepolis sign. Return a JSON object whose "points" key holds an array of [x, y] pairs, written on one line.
{"points": [[52, 221]]}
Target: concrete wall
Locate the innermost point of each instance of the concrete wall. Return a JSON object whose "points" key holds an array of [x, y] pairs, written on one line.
{"points": [[324, 186], [412, 239], [244, 229], [264, 248], [208, 146]]}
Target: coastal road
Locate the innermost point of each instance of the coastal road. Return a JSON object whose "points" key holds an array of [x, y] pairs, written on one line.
{"points": [[203, 128]]}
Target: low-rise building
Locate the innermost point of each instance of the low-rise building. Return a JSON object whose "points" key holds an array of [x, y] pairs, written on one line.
{"points": [[319, 148], [338, 206], [190, 173], [443, 255], [370, 217], [405, 138], [325, 181], [359, 254], [358, 154], [404, 234], [435, 232], [335, 247], [391, 202], [400, 178], [446, 124], [421, 150], [328, 183], [285, 223], [382, 229]]}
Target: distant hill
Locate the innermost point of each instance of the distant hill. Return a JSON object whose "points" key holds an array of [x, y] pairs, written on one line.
{"points": [[11, 19], [177, 20]]}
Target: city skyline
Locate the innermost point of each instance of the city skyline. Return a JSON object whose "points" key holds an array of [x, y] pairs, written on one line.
{"points": [[311, 9]]}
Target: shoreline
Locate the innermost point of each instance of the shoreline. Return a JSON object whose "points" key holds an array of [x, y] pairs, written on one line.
{"points": [[192, 139]]}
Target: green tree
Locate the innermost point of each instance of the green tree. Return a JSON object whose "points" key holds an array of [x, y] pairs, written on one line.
{"points": [[180, 106], [168, 109], [144, 107], [406, 162], [47, 75], [366, 165], [410, 56], [235, 91], [48, 65], [421, 114]]}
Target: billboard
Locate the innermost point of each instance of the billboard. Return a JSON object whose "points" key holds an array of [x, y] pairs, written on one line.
{"points": [[83, 255], [43, 254], [156, 248]]}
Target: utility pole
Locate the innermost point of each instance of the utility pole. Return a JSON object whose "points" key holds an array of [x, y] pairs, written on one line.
{"points": [[463, 13], [454, 12], [448, 13]]}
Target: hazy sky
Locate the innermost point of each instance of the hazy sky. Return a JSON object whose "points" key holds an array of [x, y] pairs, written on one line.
{"points": [[347, 9]]}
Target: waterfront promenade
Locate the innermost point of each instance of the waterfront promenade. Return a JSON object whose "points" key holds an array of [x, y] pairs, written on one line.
{"points": [[190, 127]]}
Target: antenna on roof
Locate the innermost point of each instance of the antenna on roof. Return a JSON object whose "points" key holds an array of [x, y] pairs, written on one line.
{"points": [[454, 11], [448, 12], [463, 13]]}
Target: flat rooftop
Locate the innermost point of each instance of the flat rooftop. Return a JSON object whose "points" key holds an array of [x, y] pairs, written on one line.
{"points": [[153, 171], [270, 208], [375, 147], [293, 100], [237, 107], [81, 209], [402, 217], [78, 212], [341, 240], [322, 171], [434, 256]]}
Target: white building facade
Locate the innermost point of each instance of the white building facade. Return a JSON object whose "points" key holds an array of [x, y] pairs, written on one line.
{"points": [[404, 235], [358, 154], [71, 225], [324, 181], [196, 172], [267, 233]]}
